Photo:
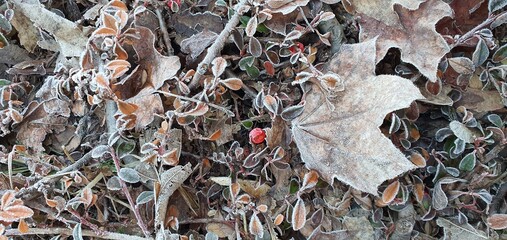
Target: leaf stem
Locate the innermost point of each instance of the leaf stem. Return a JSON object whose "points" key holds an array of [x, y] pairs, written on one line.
{"points": [[125, 190]]}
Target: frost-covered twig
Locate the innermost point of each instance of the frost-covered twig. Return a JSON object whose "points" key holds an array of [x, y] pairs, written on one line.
{"points": [[218, 45]]}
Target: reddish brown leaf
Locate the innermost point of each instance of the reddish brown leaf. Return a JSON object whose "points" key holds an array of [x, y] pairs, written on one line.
{"points": [[7, 199], [418, 159], [278, 220], [215, 135], [255, 226], [391, 191], [14, 213], [232, 83], [251, 26], [299, 215], [104, 32], [310, 180], [497, 221], [109, 21], [419, 191], [118, 5], [219, 65], [126, 108], [235, 188], [22, 226]]}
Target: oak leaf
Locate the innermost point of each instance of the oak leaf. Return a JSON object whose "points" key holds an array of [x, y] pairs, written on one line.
{"points": [[415, 35], [380, 10], [346, 143]]}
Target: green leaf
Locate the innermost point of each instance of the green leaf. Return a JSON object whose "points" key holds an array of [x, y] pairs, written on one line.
{"points": [[468, 162], [253, 71], [500, 54], [144, 197], [113, 183], [129, 175], [247, 124], [246, 62], [5, 24], [4, 82], [496, 120], [481, 53], [221, 3], [495, 5]]}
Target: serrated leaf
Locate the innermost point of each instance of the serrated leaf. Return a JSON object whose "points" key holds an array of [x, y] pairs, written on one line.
{"points": [[346, 143], [408, 25], [468, 162], [453, 231], [129, 175]]}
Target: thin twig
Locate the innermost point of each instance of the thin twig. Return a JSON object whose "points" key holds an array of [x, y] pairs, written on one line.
{"points": [[125, 190], [66, 231], [204, 221], [470, 33], [218, 45], [165, 34], [26, 192], [85, 222], [223, 109]]}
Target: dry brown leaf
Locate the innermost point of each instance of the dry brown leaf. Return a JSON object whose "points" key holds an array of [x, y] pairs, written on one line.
{"points": [[255, 226], [498, 221], [299, 215], [285, 6], [197, 43], [170, 180], [153, 69], [149, 105], [415, 35], [23, 226], [232, 83], [382, 10], [346, 143], [70, 38], [391, 191]]}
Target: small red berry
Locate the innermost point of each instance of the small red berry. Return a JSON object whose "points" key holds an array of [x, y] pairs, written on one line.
{"points": [[257, 135]]}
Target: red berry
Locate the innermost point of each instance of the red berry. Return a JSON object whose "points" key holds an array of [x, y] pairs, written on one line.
{"points": [[257, 135]]}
